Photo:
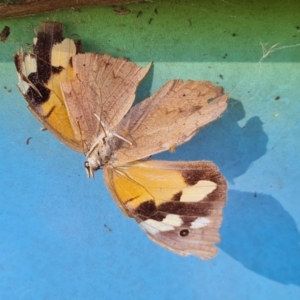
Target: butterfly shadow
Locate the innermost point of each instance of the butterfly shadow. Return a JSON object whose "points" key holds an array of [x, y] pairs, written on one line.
{"points": [[231, 147], [256, 229], [143, 89], [262, 236]]}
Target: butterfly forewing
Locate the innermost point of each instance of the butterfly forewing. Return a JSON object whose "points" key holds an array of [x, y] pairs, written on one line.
{"points": [[101, 93], [170, 117], [40, 74]]}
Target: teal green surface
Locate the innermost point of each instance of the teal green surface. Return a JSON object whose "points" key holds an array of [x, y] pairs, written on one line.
{"points": [[54, 236]]}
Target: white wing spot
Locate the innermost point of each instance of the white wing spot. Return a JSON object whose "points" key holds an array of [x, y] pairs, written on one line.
{"points": [[173, 220], [197, 192], [28, 66], [200, 222], [154, 226], [61, 53]]}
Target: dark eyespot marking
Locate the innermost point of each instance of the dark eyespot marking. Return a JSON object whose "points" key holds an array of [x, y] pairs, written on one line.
{"points": [[184, 232]]}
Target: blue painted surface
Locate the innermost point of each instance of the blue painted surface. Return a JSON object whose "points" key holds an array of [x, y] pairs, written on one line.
{"points": [[63, 237]]}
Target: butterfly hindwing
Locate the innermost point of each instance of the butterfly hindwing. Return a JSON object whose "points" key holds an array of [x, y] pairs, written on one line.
{"points": [[40, 75], [178, 204]]}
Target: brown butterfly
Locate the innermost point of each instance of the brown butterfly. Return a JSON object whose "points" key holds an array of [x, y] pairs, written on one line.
{"points": [[85, 100]]}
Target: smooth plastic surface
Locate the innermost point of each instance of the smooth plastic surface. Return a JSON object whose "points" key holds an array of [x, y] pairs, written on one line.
{"points": [[61, 234]]}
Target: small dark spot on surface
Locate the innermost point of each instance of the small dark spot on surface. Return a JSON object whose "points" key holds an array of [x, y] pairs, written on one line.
{"points": [[298, 27], [28, 140], [225, 55], [150, 21], [139, 14], [107, 228], [277, 97], [255, 195], [155, 11], [184, 232], [4, 33], [7, 89], [234, 34], [221, 76], [190, 21]]}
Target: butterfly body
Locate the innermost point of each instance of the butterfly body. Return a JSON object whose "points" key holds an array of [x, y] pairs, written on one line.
{"points": [[100, 154], [85, 100]]}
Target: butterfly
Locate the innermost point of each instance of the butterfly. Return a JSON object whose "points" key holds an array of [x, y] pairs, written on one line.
{"points": [[85, 100]]}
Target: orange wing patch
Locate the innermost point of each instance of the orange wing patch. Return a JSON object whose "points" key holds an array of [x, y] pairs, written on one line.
{"points": [[178, 204]]}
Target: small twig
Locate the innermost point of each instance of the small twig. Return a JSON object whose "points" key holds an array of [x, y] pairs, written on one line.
{"points": [[267, 52], [31, 7]]}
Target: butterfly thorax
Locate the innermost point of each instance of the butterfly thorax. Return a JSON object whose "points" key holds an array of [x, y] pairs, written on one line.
{"points": [[100, 153]]}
